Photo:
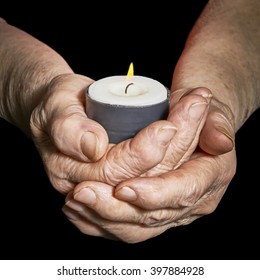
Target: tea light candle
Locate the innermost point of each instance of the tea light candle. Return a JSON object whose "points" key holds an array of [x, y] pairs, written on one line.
{"points": [[124, 105]]}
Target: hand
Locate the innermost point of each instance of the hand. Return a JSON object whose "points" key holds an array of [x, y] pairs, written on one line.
{"points": [[218, 133], [63, 134], [170, 145], [151, 195], [132, 148], [75, 148], [157, 203]]}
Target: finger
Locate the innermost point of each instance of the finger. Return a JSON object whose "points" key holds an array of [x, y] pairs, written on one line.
{"points": [[126, 160], [182, 187], [73, 133], [79, 137], [85, 226], [129, 233], [102, 207], [73, 209], [135, 156], [119, 219], [217, 136], [177, 95], [62, 117], [88, 221], [188, 115]]}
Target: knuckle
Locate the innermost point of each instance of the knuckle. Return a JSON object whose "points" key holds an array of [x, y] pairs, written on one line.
{"points": [[62, 185], [143, 156], [59, 178], [158, 217], [114, 172], [206, 208], [178, 151], [37, 121], [152, 197], [186, 220], [121, 163], [209, 202], [189, 195], [58, 126], [209, 208]]}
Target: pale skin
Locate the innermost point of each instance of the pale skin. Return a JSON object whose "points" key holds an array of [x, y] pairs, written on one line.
{"points": [[121, 191]]}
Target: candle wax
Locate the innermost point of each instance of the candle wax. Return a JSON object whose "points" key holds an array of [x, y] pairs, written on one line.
{"points": [[128, 91]]}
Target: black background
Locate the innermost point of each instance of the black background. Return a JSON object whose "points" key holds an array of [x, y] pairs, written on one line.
{"points": [[101, 40]]}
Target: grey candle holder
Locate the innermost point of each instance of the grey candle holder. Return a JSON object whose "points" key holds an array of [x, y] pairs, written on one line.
{"points": [[123, 122]]}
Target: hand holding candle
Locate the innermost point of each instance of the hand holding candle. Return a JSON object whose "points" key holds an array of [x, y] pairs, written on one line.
{"points": [[124, 105]]}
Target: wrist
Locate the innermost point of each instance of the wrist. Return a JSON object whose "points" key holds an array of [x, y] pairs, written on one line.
{"points": [[24, 92], [222, 54], [27, 67], [226, 82]]}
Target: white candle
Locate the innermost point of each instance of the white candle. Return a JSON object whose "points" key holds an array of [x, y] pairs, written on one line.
{"points": [[124, 105], [128, 91]]}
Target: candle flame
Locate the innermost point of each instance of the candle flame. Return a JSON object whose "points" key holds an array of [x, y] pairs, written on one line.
{"points": [[131, 70]]}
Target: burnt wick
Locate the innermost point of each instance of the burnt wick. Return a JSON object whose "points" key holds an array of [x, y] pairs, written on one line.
{"points": [[128, 87]]}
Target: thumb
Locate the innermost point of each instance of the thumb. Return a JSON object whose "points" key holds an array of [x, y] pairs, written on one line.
{"points": [[79, 137], [61, 117], [218, 134]]}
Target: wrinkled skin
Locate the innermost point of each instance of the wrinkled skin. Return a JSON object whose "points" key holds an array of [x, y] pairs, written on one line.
{"points": [[172, 199], [168, 189]]}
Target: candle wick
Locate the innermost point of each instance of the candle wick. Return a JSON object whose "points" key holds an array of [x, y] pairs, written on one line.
{"points": [[128, 87]]}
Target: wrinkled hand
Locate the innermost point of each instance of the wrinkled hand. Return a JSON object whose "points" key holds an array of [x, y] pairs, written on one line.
{"points": [[75, 148], [59, 124], [63, 134], [218, 133], [157, 203], [173, 197], [160, 147]]}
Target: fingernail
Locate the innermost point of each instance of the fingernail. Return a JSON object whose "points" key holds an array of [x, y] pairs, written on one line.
{"points": [[165, 134], [196, 110], [204, 92], [90, 145], [86, 196], [208, 95], [126, 194]]}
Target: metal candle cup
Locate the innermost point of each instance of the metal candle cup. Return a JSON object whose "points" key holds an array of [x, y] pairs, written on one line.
{"points": [[123, 114]]}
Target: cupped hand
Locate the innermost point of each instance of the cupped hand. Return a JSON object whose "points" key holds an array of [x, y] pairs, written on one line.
{"points": [[159, 147], [137, 155], [75, 148], [63, 134], [155, 204], [174, 192]]}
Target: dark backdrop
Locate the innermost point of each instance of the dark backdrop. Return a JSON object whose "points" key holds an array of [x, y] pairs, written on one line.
{"points": [[98, 41]]}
